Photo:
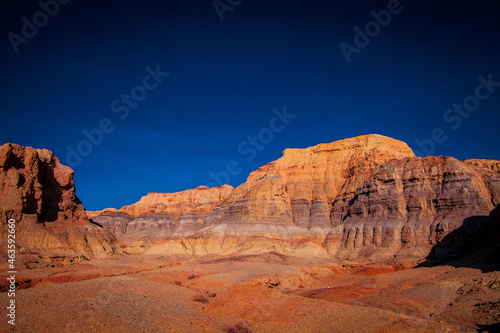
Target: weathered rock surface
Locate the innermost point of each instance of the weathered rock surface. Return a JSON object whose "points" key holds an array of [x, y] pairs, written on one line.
{"points": [[485, 253], [364, 198], [313, 177], [285, 205], [494, 165], [38, 192], [202, 199], [408, 206], [160, 216], [106, 211], [114, 223]]}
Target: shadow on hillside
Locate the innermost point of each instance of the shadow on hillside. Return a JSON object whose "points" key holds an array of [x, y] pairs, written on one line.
{"points": [[51, 193], [475, 244], [489, 328], [95, 223]]}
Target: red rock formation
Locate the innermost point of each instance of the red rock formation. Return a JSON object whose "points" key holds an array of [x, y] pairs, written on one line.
{"points": [[38, 192], [160, 216], [202, 199], [409, 205], [105, 211], [361, 198], [493, 165], [364, 198], [199, 199], [299, 188], [313, 177], [286, 205]]}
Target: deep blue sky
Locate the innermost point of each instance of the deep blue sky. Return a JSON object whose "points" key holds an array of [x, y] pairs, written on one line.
{"points": [[227, 76]]}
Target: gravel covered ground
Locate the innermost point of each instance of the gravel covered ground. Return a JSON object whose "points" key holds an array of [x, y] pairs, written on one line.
{"points": [[261, 293]]}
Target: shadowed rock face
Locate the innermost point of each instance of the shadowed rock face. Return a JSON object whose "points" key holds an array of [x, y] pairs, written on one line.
{"points": [[485, 252], [38, 192], [488, 250]]}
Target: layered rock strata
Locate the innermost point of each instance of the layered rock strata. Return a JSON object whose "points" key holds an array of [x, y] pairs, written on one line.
{"points": [[160, 216], [38, 192], [366, 198], [410, 205]]}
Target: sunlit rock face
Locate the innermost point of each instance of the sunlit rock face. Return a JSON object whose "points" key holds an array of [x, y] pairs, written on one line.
{"points": [[313, 177], [363, 198], [160, 216], [38, 192]]}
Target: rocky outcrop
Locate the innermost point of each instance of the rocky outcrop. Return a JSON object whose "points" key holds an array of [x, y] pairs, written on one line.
{"points": [[106, 211], [493, 165], [160, 216], [299, 188], [364, 198], [313, 177], [202, 199], [115, 223], [38, 192], [409, 205]]}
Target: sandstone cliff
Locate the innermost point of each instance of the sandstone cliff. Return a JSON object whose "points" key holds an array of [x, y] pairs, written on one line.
{"points": [[160, 216], [38, 192], [363, 198], [301, 186], [409, 205], [200, 199]]}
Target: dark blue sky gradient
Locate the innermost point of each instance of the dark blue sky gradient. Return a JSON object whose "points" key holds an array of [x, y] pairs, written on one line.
{"points": [[226, 78]]}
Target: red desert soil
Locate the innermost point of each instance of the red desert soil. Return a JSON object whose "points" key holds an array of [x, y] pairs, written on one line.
{"points": [[262, 293]]}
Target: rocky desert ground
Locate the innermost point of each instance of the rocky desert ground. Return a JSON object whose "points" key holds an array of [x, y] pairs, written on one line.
{"points": [[269, 292]]}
